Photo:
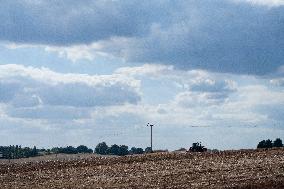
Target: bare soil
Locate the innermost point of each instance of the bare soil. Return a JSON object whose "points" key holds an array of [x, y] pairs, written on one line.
{"points": [[245, 169]]}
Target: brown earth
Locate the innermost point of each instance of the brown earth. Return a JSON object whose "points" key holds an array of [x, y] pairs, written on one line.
{"points": [[230, 169]]}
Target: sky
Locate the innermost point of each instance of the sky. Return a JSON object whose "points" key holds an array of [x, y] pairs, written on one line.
{"points": [[82, 72]]}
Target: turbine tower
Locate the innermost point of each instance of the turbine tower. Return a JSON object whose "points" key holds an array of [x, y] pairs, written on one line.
{"points": [[151, 125]]}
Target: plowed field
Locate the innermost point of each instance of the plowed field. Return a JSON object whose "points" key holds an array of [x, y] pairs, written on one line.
{"points": [[230, 169]]}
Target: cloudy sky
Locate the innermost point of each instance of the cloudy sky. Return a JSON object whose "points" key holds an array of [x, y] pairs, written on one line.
{"points": [[81, 72]]}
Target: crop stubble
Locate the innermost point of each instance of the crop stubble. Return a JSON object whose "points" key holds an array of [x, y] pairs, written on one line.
{"points": [[229, 169]]}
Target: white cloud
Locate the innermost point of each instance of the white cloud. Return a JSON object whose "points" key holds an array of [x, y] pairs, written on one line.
{"points": [[207, 98], [277, 81], [192, 99], [228, 104], [200, 87], [14, 46], [269, 3], [245, 106], [49, 77], [41, 93], [78, 52], [154, 70], [260, 94]]}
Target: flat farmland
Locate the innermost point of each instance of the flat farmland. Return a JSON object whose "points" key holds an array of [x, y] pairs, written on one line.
{"points": [[229, 169]]}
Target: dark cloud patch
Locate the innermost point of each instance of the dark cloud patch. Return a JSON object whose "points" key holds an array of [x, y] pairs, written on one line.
{"points": [[225, 37], [75, 22], [216, 35]]}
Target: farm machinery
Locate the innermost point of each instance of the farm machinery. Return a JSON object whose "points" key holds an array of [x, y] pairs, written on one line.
{"points": [[197, 147]]}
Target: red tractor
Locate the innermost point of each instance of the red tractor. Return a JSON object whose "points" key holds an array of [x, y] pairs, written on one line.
{"points": [[197, 147]]}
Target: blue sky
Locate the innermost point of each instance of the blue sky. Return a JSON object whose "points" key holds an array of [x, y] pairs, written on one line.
{"points": [[82, 72]]}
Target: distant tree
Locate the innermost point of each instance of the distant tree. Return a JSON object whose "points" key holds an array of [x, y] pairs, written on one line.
{"points": [[277, 143], [34, 152], [268, 143], [55, 150], [48, 151], [123, 150], [83, 149], [17, 152], [114, 150], [261, 144], [101, 148], [148, 150], [265, 144], [90, 151], [68, 150], [134, 150], [21, 152], [27, 152], [139, 151]]}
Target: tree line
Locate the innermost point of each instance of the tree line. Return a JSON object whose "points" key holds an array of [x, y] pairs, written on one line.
{"points": [[103, 149], [17, 151], [71, 150], [269, 144]]}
